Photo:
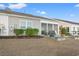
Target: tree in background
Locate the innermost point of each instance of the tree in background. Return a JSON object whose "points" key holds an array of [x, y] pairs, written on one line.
{"points": [[64, 31]]}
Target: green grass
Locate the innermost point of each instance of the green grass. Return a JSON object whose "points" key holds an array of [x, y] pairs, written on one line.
{"points": [[38, 47]]}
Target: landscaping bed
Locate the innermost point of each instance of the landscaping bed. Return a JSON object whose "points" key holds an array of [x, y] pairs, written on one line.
{"points": [[20, 37]]}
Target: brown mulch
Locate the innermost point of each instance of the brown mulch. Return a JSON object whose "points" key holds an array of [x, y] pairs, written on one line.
{"points": [[20, 37]]}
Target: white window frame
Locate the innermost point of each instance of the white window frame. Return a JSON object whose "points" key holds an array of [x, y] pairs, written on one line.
{"points": [[29, 23], [22, 25]]}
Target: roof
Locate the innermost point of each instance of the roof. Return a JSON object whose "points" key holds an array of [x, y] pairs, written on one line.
{"points": [[8, 11], [67, 21], [23, 14]]}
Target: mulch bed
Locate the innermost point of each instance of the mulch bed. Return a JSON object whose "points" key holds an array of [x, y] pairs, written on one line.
{"points": [[20, 37]]}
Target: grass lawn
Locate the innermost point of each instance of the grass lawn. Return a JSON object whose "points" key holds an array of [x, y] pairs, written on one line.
{"points": [[38, 47]]}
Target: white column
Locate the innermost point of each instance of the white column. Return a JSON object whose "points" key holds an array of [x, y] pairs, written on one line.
{"points": [[40, 29], [52, 27], [58, 30], [47, 27]]}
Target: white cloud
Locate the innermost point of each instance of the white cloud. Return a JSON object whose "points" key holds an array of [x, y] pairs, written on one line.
{"points": [[41, 12], [72, 15], [17, 6], [77, 5], [2, 6]]}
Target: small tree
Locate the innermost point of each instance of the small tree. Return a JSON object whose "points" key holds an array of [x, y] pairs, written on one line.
{"points": [[18, 31], [64, 31]]}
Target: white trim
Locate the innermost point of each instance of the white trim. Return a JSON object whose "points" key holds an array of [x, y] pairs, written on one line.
{"points": [[28, 17], [48, 21]]}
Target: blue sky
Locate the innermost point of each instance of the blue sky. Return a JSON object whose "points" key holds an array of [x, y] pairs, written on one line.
{"points": [[65, 11]]}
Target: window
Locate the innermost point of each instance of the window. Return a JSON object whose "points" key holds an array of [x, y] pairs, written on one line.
{"points": [[29, 24], [77, 28], [50, 27], [3, 30], [43, 28], [73, 28], [74, 31], [67, 28], [56, 27], [23, 24], [15, 26]]}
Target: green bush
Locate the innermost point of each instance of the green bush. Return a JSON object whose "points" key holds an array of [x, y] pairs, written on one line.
{"points": [[35, 31], [18, 31], [31, 31]]}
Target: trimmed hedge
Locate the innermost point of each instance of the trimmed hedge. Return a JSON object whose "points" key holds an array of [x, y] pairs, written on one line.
{"points": [[31, 31], [35, 31], [18, 31], [26, 32]]}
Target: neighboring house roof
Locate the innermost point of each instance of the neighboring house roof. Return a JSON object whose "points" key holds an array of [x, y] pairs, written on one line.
{"points": [[8, 11], [67, 21]]}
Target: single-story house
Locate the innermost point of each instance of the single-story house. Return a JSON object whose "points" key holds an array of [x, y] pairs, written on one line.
{"points": [[10, 20]]}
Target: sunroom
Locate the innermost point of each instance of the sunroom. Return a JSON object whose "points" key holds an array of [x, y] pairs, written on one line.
{"points": [[49, 27]]}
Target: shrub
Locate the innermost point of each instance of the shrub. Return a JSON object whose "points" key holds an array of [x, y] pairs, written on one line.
{"points": [[31, 31], [35, 31], [18, 31]]}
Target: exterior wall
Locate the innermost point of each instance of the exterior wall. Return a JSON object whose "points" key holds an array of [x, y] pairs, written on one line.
{"points": [[36, 24], [16, 22], [74, 27], [13, 23], [65, 24], [3, 25]]}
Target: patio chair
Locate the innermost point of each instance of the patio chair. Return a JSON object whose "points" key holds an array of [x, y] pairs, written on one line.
{"points": [[54, 35]]}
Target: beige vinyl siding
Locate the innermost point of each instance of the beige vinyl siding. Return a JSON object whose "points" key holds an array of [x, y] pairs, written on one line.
{"points": [[13, 23], [16, 22], [4, 25]]}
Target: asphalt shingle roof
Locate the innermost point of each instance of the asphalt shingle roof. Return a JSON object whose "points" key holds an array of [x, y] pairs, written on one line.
{"points": [[23, 14]]}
